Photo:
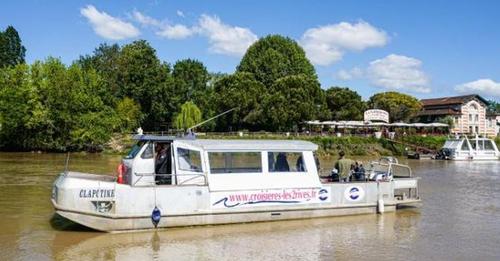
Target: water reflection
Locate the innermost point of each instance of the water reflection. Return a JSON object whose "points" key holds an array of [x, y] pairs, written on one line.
{"points": [[342, 237]]}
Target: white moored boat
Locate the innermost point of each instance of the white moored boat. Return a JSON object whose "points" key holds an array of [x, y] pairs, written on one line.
{"points": [[463, 148], [203, 182]]}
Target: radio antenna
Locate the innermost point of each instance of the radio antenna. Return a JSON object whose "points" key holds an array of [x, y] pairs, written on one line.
{"points": [[189, 130]]}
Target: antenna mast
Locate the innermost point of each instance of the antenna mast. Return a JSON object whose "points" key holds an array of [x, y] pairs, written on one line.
{"points": [[213, 118]]}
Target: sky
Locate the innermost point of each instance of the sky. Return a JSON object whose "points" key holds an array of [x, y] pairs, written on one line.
{"points": [[423, 48]]}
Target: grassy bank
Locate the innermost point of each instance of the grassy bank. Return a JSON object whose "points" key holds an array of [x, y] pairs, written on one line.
{"points": [[328, 145]]}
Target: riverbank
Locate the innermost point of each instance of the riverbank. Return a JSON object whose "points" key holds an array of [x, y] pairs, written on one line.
{"points": [[328, 145]]}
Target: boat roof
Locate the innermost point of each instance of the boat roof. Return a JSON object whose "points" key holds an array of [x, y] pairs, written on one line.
{"points": [[154, 138], [251, 145]]}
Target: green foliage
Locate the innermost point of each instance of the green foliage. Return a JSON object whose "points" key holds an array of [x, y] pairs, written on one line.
{"points": [[430, 142], [191, 83], [243, 92], [493, 106], [401, 107], [344, 104], [448, 120], [12, 51], [189, 116], [291, 94], [142, 77], [129, 114], [291, 101], [274, 57], [48, 106]]}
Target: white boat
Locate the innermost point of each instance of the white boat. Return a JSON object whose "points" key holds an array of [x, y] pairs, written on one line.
{"points": [[463, 148], [204, 182]]}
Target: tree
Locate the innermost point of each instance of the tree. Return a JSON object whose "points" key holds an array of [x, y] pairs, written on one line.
{"points": [[493, 106], [142, 77], [191, 84], [344, 104], [189, 115], [12, 51], [243, 92], [105, 60], [274, 57], [401, 107], [291, 101], [129, 114]]}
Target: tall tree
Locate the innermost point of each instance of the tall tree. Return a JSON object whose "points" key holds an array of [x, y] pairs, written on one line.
{"points": [[291, 101], [401, 107], [191, 84], [274, 57], [12, 51], [105, 60], [243, 92], [344, 104], [142, 77]]}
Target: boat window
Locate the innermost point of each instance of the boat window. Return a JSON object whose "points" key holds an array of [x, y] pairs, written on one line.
{"points": [[134, 150], [189, 160], [465, 146], [488, 145], [235, 162], [148, 153], [286, 162]]}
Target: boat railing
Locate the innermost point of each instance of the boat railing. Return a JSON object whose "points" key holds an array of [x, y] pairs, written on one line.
{"points": [[392, 169], [176, 176]]}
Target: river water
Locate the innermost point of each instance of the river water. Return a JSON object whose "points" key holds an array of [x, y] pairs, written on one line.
{"points": [[458, 220]]}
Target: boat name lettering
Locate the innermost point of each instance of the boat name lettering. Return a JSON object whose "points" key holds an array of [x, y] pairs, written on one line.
{"points": [[97, 193]]}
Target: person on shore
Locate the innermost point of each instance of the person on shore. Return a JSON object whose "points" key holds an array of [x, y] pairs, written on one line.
{"points": [[343, 166]]}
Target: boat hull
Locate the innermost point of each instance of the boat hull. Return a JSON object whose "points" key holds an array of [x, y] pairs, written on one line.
{"points": [[107, 206]]}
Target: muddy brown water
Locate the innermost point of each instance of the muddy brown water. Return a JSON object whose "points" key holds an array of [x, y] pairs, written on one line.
{"points": [[458, 220]]}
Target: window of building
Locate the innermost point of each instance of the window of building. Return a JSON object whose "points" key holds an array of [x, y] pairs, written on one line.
{"points": [[476, 118], [189, 160], [235, 162], [470, 117], [286, 162]]}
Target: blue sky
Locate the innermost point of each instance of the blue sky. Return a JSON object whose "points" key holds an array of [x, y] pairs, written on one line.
{"points": [[431, 49]]}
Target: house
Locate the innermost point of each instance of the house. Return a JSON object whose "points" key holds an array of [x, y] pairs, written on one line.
{"points": [[469, 114]]}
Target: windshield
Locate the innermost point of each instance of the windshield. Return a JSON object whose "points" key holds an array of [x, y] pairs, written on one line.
{"points": [[135, 149]]}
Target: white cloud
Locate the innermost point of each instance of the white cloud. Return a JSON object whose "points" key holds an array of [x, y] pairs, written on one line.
{"points": [[180, 13], [144, 19], [176, 32], [225, 39], [351, 74], [486, 87], [163, 29], [398, 72], [327, 44], [107, 26]]}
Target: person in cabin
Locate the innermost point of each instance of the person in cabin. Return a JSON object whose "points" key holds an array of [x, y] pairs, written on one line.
{"points": [[162, 165], [300, 166], [343, 166], [281, 162]]}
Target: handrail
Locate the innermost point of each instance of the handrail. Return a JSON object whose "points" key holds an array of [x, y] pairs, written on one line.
{"points": [[193, 176]]}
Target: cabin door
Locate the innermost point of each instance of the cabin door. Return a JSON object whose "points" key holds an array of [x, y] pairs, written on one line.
{"points": [[143, 167], [189, 167]]}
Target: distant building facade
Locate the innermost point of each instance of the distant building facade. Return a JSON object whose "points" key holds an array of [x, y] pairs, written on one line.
{"points": [[469, 114]]}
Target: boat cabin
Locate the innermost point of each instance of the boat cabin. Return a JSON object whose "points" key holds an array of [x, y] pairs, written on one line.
{"points": [[221, 164], [475, 148]]}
